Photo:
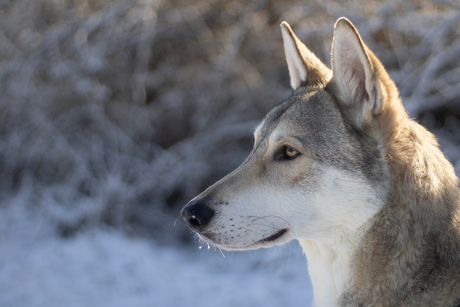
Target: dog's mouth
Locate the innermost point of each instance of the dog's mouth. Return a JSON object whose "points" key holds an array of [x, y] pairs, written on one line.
{"points": [[275, 236], [211, 238]]}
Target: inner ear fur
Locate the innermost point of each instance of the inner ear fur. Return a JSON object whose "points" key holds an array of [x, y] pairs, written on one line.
{"points": [[305, 69]]}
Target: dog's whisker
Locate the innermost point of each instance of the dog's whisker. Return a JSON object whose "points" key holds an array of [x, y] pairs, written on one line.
{"points": [[221, 252], [174, 225]]}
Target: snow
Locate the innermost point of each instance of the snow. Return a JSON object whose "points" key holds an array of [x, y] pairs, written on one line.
{"points": [[105, 267]]}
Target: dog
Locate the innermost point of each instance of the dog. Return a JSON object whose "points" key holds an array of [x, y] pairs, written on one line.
{"points": [[340, 167]]}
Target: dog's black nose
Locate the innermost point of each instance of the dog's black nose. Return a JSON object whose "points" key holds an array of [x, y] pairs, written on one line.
{"points": [[197, 214]]}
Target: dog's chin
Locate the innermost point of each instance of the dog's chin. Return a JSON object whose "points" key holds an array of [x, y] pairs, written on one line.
{"points": [[280, 237]]}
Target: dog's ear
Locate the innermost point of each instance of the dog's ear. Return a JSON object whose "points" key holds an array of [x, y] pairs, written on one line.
{"points": [[358, 75], [305, 69]]}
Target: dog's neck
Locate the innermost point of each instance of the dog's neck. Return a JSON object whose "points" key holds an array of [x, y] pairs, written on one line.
{"points": [[329, 269], [330, 251]]}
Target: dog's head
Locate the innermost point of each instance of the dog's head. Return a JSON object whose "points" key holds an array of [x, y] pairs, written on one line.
{"points": [[318, 164]]}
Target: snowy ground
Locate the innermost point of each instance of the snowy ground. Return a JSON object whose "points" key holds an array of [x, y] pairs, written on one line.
{"points": [[104, 267]]}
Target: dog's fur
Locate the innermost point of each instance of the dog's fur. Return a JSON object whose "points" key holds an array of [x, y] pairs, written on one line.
{"points": [[340, 167]]}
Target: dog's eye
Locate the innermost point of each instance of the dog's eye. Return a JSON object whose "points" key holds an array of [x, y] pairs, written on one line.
{"points": [[287, 153], [290, 153]]}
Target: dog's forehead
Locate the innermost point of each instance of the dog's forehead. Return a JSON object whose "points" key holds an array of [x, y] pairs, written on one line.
{"points": [[273, 118], [301, 115]]}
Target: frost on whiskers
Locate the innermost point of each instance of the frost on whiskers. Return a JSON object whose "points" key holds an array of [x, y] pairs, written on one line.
{"points": [[206, 242]]}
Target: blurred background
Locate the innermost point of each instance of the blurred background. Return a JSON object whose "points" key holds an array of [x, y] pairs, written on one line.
{"points": [[114, 113]]}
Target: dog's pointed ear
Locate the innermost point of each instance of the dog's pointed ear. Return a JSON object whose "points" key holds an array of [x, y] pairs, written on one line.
{"points": [[305, 69], [357, 73]]}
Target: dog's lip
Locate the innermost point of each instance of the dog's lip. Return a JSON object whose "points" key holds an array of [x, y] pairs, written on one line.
{"points": [[210, 237], [275, 236]]}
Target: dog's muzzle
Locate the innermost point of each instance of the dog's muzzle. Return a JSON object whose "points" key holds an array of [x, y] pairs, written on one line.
{"points": [[197, 215]]}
